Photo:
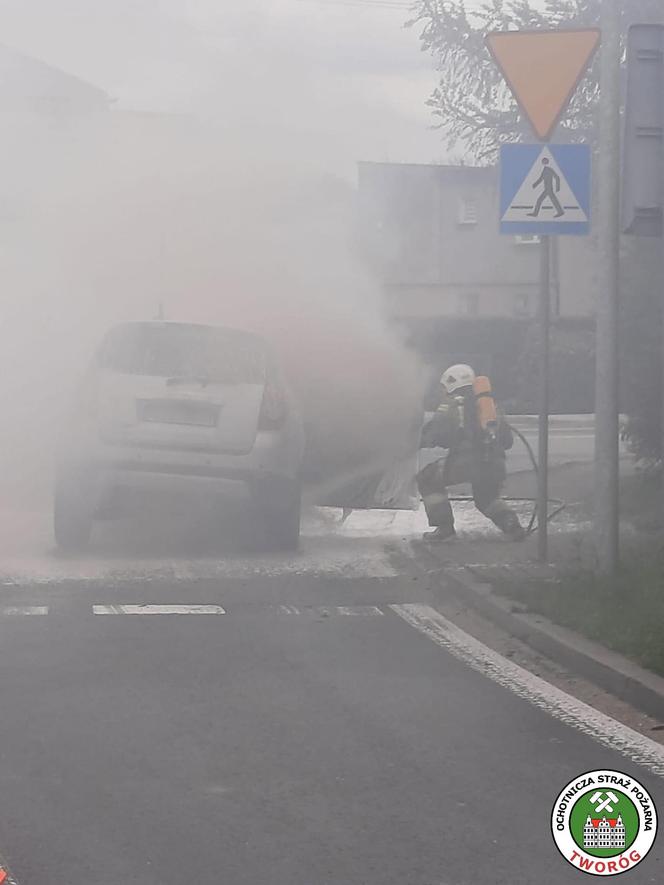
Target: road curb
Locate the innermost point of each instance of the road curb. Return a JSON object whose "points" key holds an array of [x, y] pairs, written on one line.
{"points": [[583, 657]]}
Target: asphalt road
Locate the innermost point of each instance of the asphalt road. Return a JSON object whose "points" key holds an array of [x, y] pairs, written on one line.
{"points": [[309, 735], [569, 441]]}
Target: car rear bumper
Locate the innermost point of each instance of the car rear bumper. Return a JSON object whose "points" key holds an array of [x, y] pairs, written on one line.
{"points": [[110, 471], [114, 489], [118, 479]]}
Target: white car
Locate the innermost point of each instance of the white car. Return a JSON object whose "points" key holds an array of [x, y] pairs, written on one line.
{"points": [[181, 409]]}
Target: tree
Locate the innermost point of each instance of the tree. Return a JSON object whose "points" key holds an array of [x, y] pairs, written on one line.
{"points": [[472, 104], [476, 112], [473, 107]]}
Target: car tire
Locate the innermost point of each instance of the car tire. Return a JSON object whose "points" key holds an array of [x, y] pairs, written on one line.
{"points": [[72, 513], [281, 514]]}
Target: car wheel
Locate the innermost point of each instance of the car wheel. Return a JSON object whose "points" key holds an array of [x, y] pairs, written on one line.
{"points": [[72, 512], [281, 512]]}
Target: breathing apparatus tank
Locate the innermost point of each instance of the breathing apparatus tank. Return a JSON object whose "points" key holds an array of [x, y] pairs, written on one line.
{"points": [[487, 416]]}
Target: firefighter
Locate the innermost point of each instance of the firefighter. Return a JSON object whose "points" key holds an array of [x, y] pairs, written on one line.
{"points": [[476, 436]]}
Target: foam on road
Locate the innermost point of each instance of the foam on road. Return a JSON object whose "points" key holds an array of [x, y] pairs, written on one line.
{"points": [[358, 547]]}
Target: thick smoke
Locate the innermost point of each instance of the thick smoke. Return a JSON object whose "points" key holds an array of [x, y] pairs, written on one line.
{"points": [[123, 216]]}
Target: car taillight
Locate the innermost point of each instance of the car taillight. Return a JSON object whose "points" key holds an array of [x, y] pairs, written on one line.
{"points": [[274, 408]]}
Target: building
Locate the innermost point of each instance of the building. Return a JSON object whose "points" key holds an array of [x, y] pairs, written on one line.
{"points": [[604, 833], [464, 292], [30, 85], [42, 112], [432, 234]]}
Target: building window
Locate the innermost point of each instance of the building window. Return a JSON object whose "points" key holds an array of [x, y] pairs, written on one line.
{"points": [[467, 213], [521, 304], [469, 304]]}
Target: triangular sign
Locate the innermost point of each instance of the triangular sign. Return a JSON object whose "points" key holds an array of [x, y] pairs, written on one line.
{"points": [[543, 70], [545, 195]]}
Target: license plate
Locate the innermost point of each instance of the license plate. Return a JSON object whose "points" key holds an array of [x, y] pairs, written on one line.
{"points": [[179, 412]]}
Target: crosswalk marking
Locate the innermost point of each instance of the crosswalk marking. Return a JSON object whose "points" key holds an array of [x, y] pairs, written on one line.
{"points": [[158, 610], [11, 610], [329, 610], [359, 610], [206, 609]]}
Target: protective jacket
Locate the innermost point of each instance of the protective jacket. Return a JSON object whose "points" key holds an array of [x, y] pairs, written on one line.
{"points": [[472, 454]]}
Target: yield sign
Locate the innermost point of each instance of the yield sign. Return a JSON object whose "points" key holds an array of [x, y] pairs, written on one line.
{"points": [[543, 69]]}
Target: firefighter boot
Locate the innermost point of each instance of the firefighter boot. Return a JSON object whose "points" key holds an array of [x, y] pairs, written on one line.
{"points": [[441, 533], [510, 525]]}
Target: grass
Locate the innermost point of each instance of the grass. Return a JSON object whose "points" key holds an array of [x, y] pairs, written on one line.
{"points": [[641, 501], [625, 613]]}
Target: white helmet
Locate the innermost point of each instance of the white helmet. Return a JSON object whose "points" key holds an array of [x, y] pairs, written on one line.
{"points": [[457, 377]]}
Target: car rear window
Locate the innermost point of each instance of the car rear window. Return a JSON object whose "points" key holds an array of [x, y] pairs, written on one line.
{"points": [[174, 351]]}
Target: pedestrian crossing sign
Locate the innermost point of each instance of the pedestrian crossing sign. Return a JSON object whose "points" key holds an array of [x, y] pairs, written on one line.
{"points": [[545, 189]]}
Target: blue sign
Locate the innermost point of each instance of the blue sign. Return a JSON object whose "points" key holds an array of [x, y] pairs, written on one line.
{"points": [[545, 189]]}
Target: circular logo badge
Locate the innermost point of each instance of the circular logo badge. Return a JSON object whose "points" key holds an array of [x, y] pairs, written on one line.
{"points": [[604, 822]]}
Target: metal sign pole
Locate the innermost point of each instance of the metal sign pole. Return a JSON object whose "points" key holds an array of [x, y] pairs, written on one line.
{"points": [[606, 335], [543, 435], [643, 153], [661, 282], [543, 68]]}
